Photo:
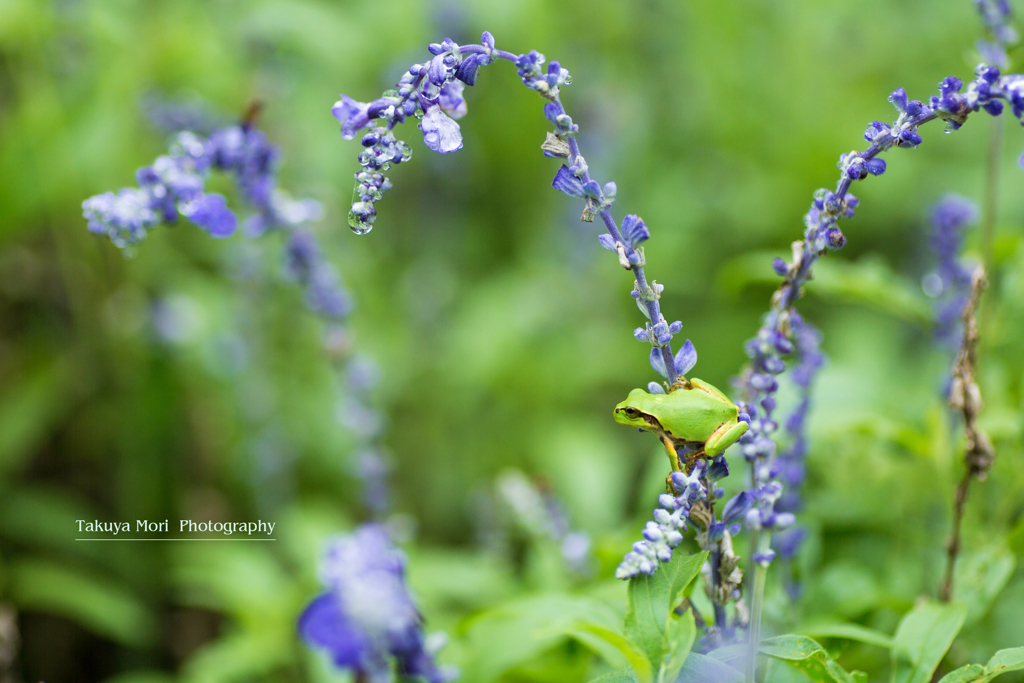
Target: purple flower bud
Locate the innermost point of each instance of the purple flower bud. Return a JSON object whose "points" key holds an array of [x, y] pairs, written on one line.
{"points": [[655, 388], [634, 230], [487, 39], [993, 107], [469, 68], [899, 99], [737, 508], [640, 334], [593, 190], [875, 166], [779, 266], [606, 240], [834, 238]]}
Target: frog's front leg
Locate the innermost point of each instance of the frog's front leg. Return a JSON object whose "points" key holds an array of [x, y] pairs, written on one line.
{"points": [[670, 450], [726, 435]]}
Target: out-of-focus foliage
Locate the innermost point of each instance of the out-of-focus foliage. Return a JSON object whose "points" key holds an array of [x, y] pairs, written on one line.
{"points": [[188, 381]]}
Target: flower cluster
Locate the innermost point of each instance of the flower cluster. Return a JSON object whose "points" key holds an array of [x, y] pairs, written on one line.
{"points": [[431, 92], [950, 283], [995, 14], [541, 514], [665, 532], [174, 185], [367, 620]]}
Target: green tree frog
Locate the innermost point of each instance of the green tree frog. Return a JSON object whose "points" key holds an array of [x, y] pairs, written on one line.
{"points": [[693, 414]]}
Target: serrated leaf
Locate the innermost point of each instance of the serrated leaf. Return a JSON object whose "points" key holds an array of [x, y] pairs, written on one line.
{"points": [[808, 656], [922, 639], [856, 632], [702, 669], [651, 623], [1002, 662]]}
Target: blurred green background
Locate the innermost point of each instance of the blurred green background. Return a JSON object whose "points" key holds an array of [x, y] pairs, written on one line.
{"points": [[501, 329]]}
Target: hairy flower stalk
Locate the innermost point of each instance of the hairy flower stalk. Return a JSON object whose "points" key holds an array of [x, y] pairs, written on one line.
{"points": [[965, 396]]}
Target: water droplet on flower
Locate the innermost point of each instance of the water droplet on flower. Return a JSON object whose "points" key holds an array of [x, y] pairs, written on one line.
{"points": [[361, 217], [405, 150], [431, 140]]}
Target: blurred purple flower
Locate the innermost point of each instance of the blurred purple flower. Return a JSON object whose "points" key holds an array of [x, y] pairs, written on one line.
{"points": [[366, 620]]}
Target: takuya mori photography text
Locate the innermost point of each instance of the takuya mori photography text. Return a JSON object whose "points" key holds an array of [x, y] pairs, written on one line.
{"points": [[182, 526]]}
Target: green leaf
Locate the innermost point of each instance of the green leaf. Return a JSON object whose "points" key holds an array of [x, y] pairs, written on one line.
{"points": [[651, 623], [684, 631], [1002, 662], [101, 606], [980, 576], [922, 639], [806, 655], [701, 669], [613, 647], [972, 673], [515, 633], [856, 632], [621, 676]]}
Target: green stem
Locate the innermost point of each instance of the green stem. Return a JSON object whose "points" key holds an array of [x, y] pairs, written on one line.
{"points": [[760, 580]]}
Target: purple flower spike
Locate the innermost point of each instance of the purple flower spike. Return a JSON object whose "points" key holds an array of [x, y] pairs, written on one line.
{"points": [[440, 133], [685, 358], [351, 114], [211, 213]]}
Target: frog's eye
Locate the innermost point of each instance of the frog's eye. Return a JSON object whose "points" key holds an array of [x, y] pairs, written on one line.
{"points": [[632, 413]]}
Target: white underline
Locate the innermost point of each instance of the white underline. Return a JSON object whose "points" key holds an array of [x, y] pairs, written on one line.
{"points": [[175, 539]]}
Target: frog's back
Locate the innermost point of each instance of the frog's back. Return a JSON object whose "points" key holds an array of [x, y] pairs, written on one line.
{"points": [[699, 410]]}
